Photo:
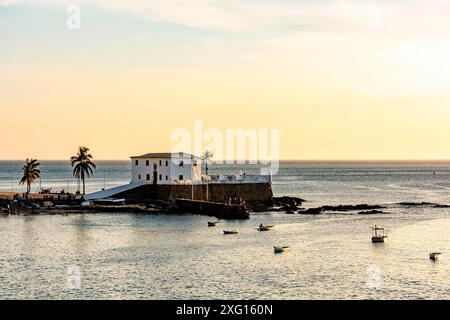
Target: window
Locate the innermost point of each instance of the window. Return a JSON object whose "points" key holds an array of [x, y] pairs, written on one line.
{"points": [[181, 164], [160, 163], [160, 177], [180, 177], [148, 176], [167, 177], [139, 177], [136, 162], [147, 163], [167, 163], [155, 167]]}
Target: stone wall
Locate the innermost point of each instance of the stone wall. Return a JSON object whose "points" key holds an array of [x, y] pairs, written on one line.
{"points": [[250, 192]]}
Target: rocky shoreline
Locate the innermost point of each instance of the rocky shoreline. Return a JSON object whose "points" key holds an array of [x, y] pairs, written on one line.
{"points": [[285, 204], [292, 205]]}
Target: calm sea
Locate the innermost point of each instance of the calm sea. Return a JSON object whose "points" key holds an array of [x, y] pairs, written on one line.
{"points": [[124, 256]]}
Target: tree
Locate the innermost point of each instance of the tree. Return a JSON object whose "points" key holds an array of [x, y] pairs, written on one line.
{"points": [[30, 172], [82, 165], [207, 155]]}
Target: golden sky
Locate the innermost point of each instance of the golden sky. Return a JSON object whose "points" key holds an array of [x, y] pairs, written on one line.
{"points": [[339, 79]]}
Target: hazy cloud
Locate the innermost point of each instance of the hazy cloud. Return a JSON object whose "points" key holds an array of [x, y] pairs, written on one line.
{"points": [[333, 15]]}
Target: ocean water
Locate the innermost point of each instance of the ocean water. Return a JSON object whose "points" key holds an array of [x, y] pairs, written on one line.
{"points": [[126, 256]]}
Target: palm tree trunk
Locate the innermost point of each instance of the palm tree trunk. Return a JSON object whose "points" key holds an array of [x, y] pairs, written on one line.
{"points": [[28, 187], [84, 187]]}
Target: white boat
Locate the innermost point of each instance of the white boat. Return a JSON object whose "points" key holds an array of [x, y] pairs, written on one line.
{"points": [[379, 234], [435, 256]]}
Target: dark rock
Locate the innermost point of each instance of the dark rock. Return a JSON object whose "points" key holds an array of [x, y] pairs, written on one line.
{"points": [[416, 204], [441, 206], [287, 201], [371, 212], [318, 210], [352, 207]]}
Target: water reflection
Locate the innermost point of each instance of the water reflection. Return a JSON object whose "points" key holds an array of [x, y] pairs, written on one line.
{"points": [[163, 257]]}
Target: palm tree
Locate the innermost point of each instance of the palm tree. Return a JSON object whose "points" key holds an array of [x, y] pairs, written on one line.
{"points": [[82, 165], [30, 173], [207, 155]]}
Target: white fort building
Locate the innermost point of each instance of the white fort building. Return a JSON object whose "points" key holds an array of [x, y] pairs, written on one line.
{"points": [[177, 169], [166, 168]]}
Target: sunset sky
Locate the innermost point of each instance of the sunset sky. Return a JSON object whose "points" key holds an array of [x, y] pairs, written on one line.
{"points": [[340, 79]]}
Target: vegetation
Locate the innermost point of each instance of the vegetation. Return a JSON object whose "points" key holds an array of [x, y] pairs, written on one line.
{"points": [[83, 166], [30, 172]]}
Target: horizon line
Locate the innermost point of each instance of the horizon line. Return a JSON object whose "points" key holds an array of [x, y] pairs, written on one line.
{"points": [[280, 160]]}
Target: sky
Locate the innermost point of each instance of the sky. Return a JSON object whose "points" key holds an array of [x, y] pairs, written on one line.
{"points": [[339, 79]]}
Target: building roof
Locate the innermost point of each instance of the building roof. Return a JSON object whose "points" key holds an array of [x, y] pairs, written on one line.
{"points": [[165, 155]]}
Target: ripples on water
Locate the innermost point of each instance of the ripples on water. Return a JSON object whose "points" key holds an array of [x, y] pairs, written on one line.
{"points": [[178, 257]]}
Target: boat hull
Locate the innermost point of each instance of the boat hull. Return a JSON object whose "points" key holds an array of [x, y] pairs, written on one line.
{"points": [[281, 249], [435, 257], [378, 239], [230, 232], [268, 228]]}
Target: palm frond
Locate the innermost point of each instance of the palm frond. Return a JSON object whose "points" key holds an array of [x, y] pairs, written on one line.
{"points": [[82, 164]]}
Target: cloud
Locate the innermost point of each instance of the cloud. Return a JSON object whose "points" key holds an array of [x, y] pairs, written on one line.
{"points": [[384, 46], [331, 16]]}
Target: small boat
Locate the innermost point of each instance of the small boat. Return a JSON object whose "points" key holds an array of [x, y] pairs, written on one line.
{"points": [[213, 224], [265, 228], [379, 234], [282, 248], [234, 231], [435, 256]]}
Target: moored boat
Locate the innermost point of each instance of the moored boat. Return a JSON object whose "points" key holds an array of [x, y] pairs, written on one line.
{"points": [[281, 248], [264, 228], [213, 224], [435, 256], [233, 231], [379, 234]]}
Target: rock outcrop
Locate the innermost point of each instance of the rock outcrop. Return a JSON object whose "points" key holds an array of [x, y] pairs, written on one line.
{"points": [[371, 212]]}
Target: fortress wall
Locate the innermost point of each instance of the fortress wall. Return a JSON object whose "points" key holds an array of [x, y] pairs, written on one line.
{"points": [[250, 192]]}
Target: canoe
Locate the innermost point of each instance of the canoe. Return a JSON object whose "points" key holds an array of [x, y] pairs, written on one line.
{"points": [[435, 256], [235, 231], [265, 228], [212, 224], [280, 249]]}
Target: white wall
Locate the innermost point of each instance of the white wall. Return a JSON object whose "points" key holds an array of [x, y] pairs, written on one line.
{"points": [[143, 170], [172, 171], [186, 170]]}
